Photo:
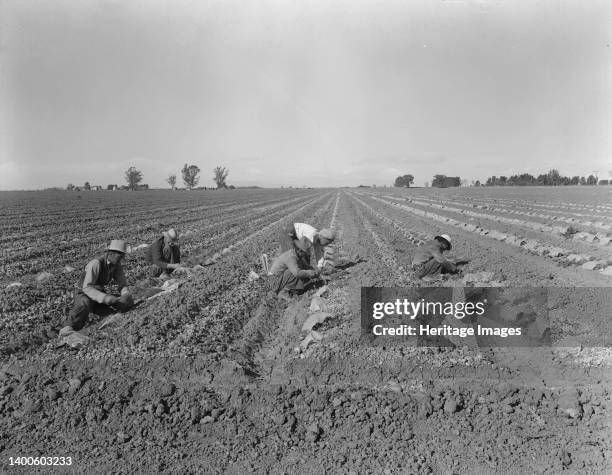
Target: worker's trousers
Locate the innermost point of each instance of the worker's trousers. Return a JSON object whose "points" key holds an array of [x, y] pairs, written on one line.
{"points": [[430, 267], [287, 281], [83, 306]]}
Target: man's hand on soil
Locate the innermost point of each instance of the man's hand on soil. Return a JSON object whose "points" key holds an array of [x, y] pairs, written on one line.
{"points": [[110, 299], [125, 302]]}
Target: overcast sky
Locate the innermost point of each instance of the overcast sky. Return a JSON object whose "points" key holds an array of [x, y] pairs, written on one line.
{"points": [[316, 93]]}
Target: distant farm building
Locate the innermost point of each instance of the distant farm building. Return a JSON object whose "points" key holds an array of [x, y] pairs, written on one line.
{"points": [[112, 187]]}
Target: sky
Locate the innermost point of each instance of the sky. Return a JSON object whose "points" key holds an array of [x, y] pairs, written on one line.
{"points": [[302, 93]]}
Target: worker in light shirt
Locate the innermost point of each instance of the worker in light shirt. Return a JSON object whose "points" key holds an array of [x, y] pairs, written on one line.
{"points": [[94, 287], [317, 240]]}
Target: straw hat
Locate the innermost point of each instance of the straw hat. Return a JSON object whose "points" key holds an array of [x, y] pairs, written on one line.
{"points": [[446, 238], [117, 245], [172, 234]]}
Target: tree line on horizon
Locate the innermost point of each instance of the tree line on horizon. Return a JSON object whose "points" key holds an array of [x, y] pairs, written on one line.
{"points": [[190, 175], [551, 178], [439, 181]]}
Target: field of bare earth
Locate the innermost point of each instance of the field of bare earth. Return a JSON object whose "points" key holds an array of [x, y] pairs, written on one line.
{"points": [[215, 375]]}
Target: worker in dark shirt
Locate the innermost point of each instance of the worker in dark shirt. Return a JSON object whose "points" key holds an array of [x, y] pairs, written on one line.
{"points": [[291, 270], [429, 260], [165, 255]]}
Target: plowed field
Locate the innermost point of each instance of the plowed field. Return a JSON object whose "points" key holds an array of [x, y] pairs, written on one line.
{"points": [[216, 375]]}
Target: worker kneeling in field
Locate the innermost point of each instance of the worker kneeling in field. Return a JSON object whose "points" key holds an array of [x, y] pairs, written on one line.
{"points": [[318, 240], [291, 270], [93, 289], [429, 260], [164, 254]]}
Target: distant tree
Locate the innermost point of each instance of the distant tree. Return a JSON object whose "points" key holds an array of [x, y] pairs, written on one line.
{"points": [[523, 179], [404, 181], [190, 175], [87, 186], [438, 181], [502, 180], [70, 187], [477, 183], [133, 176], [171, 180], [443, 181], [604, 182], [220, 176], [591, 180], [583, 180], [554, 178], [575, 180]]}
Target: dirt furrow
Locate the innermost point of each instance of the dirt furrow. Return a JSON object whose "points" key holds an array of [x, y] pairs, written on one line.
{"points": [[386, 254]]}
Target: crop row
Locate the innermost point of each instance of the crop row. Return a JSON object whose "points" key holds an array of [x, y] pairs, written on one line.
{"points": [[50, 255], [523, 211], [385, 251], [73, 228], [66, 207], [599, 239], [553, 205], [531, 245]]}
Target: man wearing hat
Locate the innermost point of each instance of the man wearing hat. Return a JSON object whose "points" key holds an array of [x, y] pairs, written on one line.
{"points": [[291, 270], [429, 260], [164, 254], [95, 288], [316, 240]]}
